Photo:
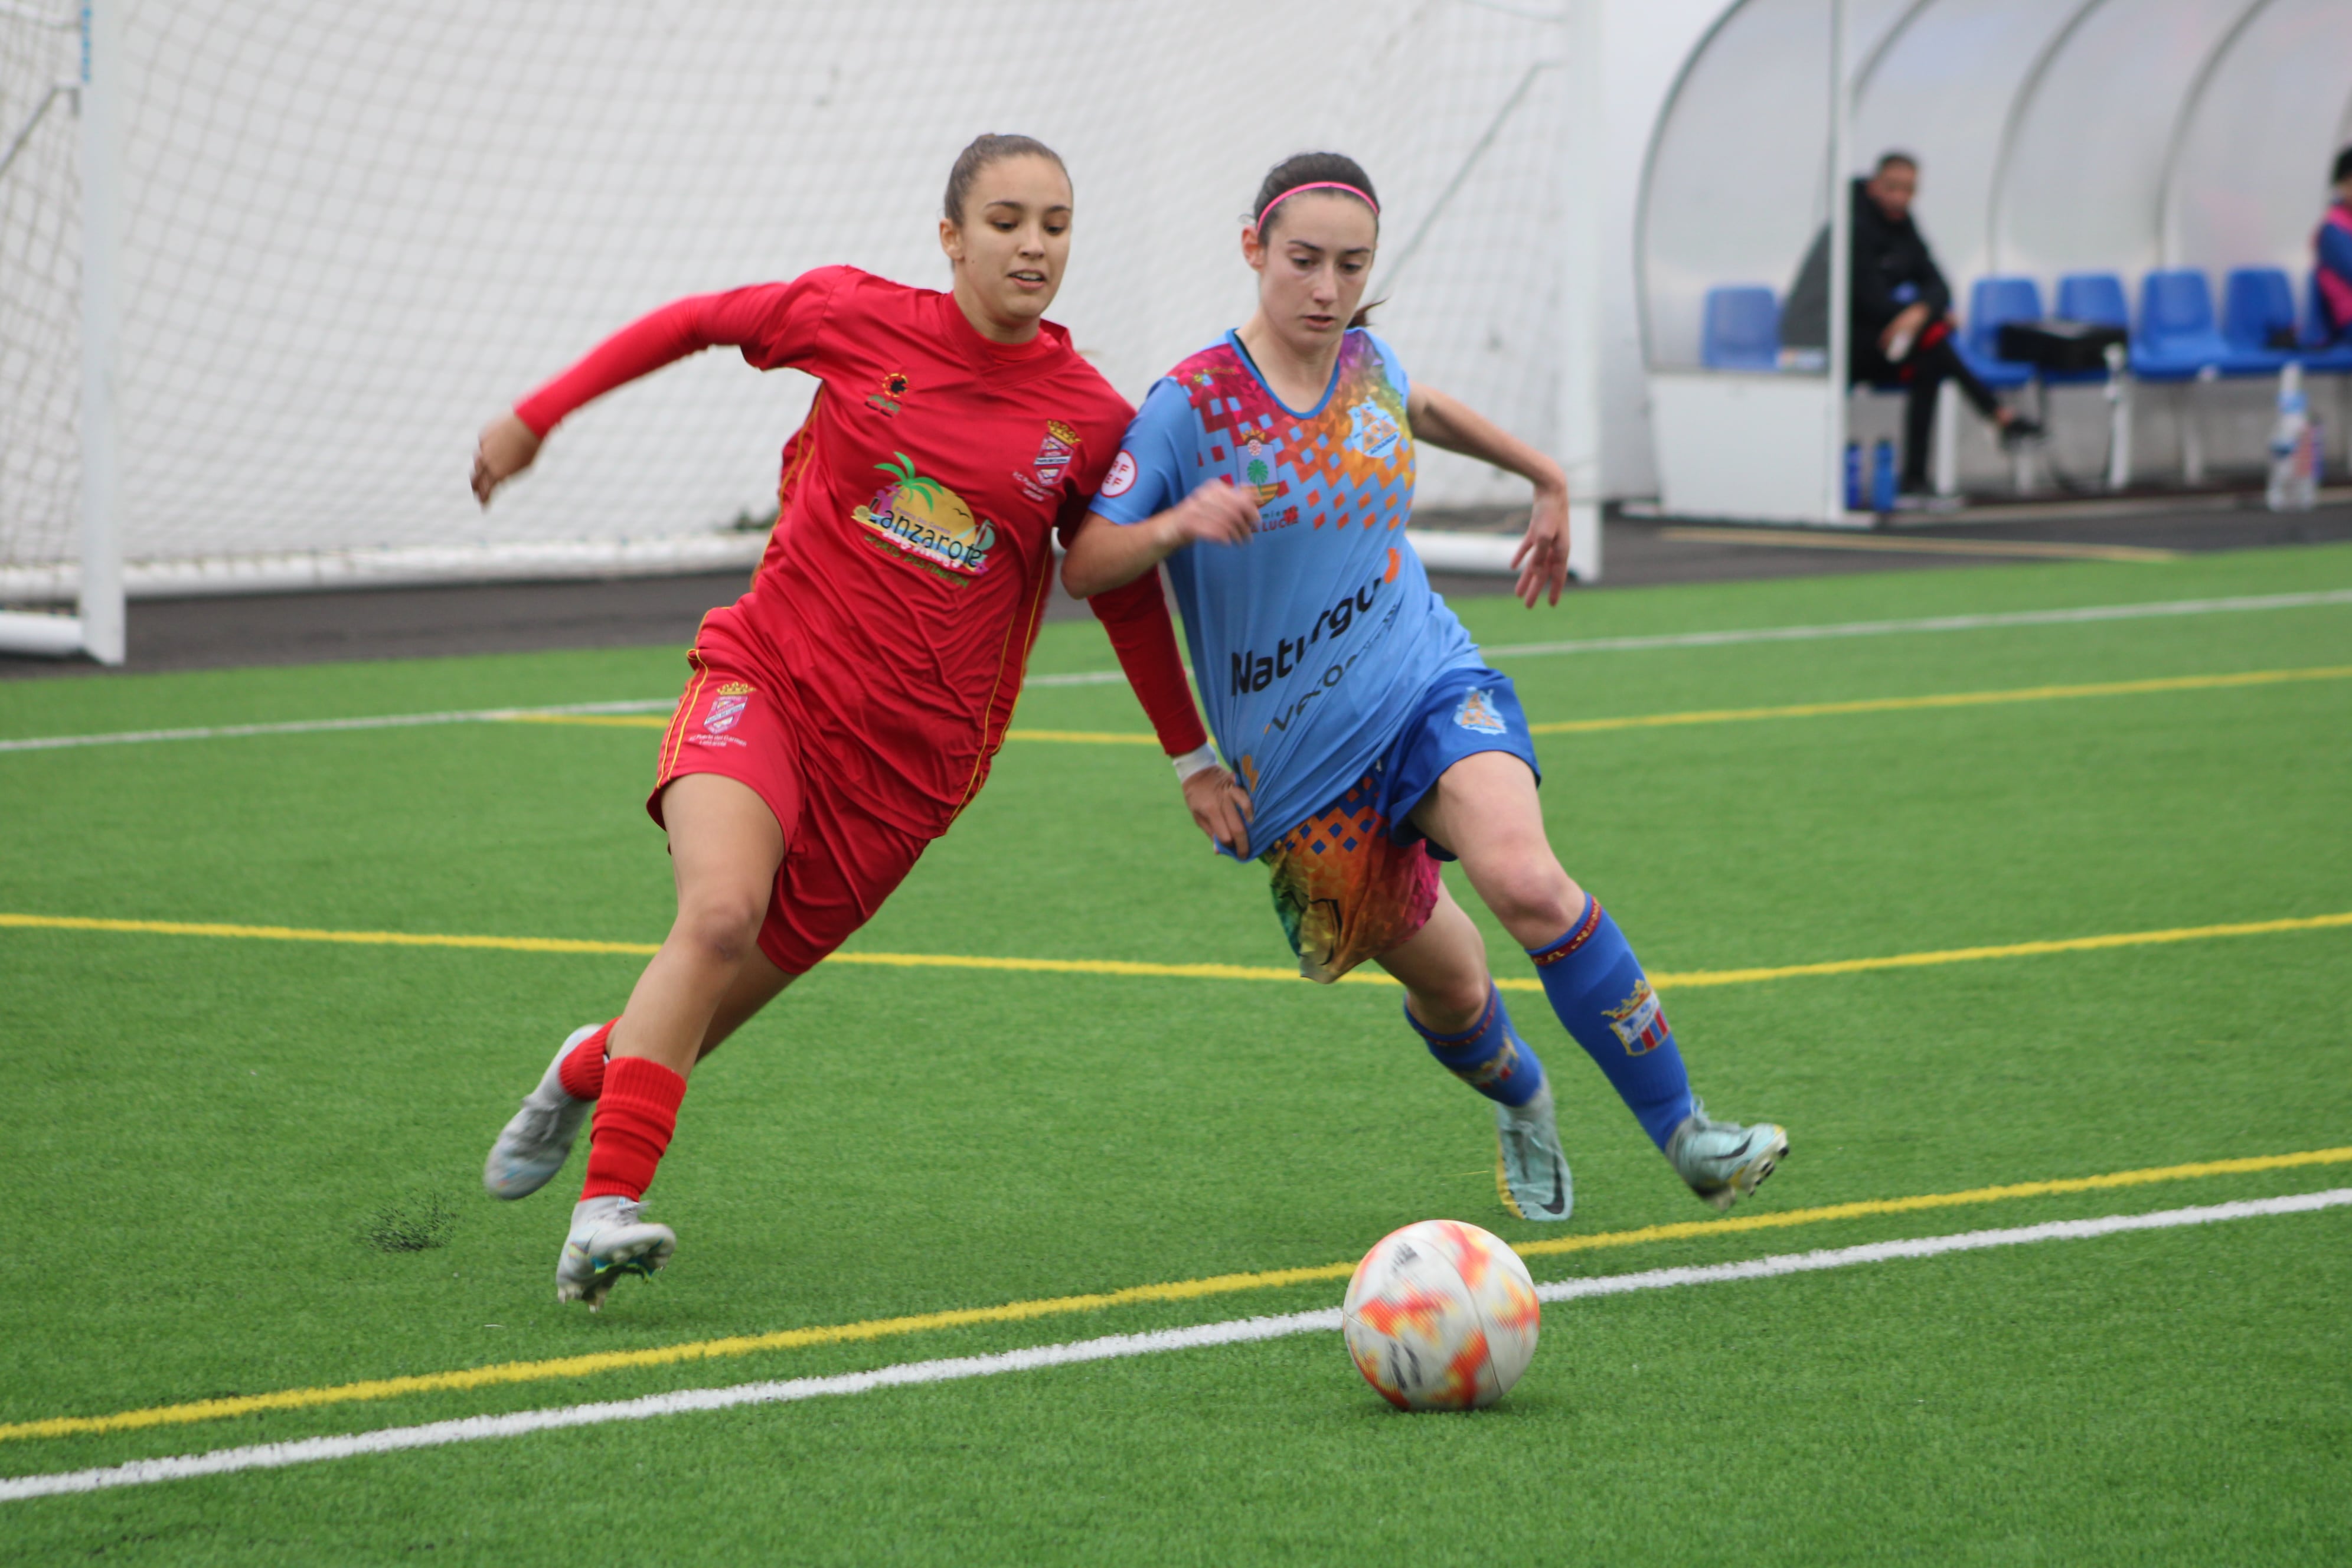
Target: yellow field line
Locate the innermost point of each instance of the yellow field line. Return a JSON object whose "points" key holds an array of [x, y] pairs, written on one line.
{"points": [[1058, 1306], [1947, 699], [2035, 549], [1664, 720], [1663, 980]]}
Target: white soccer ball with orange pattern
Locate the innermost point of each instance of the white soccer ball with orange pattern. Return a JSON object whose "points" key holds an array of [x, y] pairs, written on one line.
{"points": [[1440, 1316]]}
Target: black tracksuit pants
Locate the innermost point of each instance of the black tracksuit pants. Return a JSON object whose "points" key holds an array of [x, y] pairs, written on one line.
{"points": [[1918, 377]]}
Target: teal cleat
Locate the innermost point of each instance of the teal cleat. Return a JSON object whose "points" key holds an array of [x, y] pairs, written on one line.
{"points": [[1530, 1172], [1722, 1161], [609, 1239]]}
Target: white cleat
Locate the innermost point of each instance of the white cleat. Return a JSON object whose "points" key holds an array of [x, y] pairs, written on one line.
{"points": [[534, 1146], [609, 1239], [1722, 1161]]}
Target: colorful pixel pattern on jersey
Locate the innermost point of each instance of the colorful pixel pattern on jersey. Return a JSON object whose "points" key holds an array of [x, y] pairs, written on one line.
{"points": [[1311, 645]]}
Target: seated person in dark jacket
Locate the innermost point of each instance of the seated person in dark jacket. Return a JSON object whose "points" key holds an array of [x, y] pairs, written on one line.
{"points": [[2334, 245], [1901, 335]]}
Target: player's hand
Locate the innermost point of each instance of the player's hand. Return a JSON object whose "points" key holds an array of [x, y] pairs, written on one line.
{"points": [[1908, 322], [1215, 513], [1220, 808], [1541, 558], [506, 449]]}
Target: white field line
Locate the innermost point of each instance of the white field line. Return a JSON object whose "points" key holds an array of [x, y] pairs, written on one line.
{"points": [[1111, 676], [1240, 1331], [2091, 613], [322, 726]]}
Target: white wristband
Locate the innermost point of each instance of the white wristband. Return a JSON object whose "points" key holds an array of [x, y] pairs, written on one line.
{"points": [[1192, 762]]}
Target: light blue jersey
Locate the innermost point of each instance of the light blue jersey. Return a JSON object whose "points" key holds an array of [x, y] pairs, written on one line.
{"points": [[1312, 644]]}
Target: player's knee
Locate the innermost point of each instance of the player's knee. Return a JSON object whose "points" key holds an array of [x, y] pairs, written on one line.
{"points": [[722, 925], [1453, 1004], [1532, 893]]}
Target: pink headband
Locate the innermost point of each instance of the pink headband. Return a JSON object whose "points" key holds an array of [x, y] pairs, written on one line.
{"points": [[1320, 185]]}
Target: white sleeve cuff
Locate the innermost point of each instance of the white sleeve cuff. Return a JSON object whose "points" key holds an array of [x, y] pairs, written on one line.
{"points": [[1197, 762]]}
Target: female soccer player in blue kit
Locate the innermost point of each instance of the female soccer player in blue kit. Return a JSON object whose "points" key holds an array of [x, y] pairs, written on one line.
{"points": [[1370, 739]]}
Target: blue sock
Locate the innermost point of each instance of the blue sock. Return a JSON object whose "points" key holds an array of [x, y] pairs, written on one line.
{"points": [[1597, 988], [1489, 1057]]}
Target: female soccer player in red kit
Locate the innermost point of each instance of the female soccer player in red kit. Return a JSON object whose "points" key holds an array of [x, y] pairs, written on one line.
{"points": [[839, 715]]}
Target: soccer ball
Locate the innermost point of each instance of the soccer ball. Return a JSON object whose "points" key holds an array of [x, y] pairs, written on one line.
{"points": [[1440, 1316]]}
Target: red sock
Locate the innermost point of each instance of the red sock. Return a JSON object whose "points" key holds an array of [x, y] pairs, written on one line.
{"points": [[635, 1118], [581, 1073]]}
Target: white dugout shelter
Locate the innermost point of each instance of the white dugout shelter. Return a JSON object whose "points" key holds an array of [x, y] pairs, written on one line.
{"points": [[267, 265], [2054, 137]]}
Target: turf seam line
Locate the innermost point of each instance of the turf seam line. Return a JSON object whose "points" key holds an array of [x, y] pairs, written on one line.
{"points": [[1242, 1331], [1663, 980], [2088, 613], [1060, 1306]]}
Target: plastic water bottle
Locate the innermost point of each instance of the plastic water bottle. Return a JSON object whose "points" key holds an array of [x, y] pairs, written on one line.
{"points": [[1882, 476], [2294, 477], [1853, 476]]}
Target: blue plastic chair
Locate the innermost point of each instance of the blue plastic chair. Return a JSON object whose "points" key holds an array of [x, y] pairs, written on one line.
{"points": [[1742, 330], [2176, 340], [2096, 298], [1991, 302], [2258, 304], [2320, 355]]}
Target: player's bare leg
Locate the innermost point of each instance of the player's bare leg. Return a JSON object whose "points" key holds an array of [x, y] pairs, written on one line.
{"points": [[725, 847], [1451, 999], [1484, 809]]}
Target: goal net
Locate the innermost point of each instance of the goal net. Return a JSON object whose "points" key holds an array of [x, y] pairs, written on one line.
{"points": [[349, 233]]}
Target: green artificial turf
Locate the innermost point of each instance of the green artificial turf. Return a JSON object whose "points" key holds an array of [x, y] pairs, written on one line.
{"points": [[212, 1139]]}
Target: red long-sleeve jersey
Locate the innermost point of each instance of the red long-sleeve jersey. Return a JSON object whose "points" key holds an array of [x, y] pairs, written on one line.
{"points": [[904, 583]]}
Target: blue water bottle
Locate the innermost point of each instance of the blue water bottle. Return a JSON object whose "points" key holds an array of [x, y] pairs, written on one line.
{"points": [[1882, 477], [1853, 476]]}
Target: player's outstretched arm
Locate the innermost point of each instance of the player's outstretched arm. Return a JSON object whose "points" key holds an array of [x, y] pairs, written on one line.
{"points": [[1106, 554], [755, 319], [1541, 558]]}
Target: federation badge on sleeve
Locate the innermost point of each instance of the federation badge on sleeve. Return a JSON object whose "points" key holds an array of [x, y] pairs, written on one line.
{"points": [[1121, 477]]}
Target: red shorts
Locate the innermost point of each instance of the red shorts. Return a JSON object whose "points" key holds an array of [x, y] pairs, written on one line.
{"points": [[840, 860]]}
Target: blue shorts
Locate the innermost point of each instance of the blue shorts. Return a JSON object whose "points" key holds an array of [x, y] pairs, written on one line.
{"points": [[1461, 713]]}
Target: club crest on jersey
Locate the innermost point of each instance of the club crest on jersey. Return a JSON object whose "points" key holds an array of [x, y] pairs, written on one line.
{"points": [[1372, 430], [1478, 713], [1638, 1022], [893, 392], [724, 714], [1257, 461], [1052, 461], [926, 524]]}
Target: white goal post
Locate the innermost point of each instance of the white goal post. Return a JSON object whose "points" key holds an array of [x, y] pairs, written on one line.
{"points": [[269, 264]]}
